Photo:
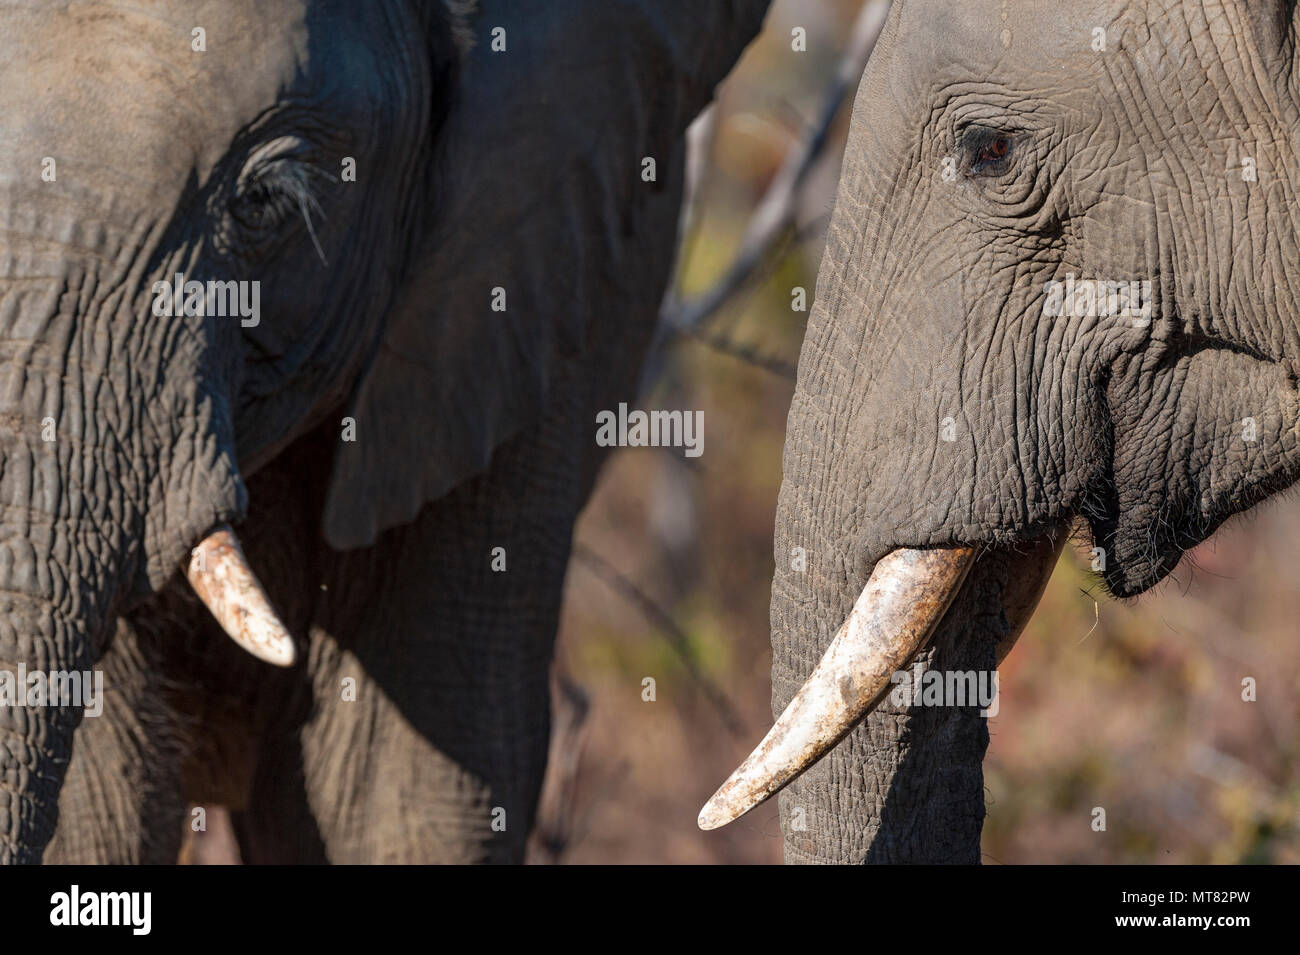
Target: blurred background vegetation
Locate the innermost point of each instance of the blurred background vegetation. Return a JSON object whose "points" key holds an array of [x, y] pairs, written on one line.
{"points": [[1134, 707]]}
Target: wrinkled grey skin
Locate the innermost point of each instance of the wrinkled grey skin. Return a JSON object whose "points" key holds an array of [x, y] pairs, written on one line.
{"points": [[1124, 165], [475, 169]]}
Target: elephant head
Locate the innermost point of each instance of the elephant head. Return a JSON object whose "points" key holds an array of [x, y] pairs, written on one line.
{"points": [[226, 224], [1056, 291]]}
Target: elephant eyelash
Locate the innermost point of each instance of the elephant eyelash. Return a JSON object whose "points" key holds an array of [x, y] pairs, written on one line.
{"points": [[278, 191]]}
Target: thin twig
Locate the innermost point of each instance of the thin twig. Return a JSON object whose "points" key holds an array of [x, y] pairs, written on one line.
{"points": [[776, 211], [749, 354], [676, 637]]}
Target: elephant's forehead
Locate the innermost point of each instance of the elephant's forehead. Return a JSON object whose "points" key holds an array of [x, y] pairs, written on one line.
{"points": [[1004, 39], [158, 87]]}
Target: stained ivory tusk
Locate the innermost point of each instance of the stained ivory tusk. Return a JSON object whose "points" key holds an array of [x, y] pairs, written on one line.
{"points": [[906, 597], [220, 575]]}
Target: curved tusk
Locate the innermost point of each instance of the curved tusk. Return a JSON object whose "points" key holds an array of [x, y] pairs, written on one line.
{"points": [[220, 575], [906, 597]]}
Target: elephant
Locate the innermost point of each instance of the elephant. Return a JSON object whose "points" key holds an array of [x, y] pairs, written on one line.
{"points": [[1055, 302], [306, 310]]}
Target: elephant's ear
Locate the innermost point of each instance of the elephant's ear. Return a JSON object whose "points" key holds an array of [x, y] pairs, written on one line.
{"points": [[569, 120]]}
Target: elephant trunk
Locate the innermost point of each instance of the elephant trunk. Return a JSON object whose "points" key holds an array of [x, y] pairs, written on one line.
{"points": [[48, 625], [72, 542], [86, 447], [71, 526]]}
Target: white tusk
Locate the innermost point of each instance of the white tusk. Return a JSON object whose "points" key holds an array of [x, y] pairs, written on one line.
{"points": [[906, 597], [220, 575]]}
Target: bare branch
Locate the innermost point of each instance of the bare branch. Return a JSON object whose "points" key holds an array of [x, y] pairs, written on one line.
{"points": [[776, 212], [749, 354], [676, 637]]}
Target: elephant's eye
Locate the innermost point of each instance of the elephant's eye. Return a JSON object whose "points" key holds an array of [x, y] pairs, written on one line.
{"points": [[989, 152], [995, 150], [273, 194], [275, 197]]}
